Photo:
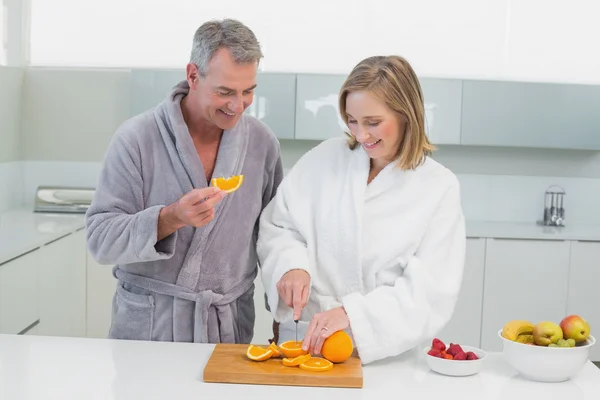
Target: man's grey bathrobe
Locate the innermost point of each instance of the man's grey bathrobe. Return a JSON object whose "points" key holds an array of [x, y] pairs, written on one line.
{"points": [[196, 285]]}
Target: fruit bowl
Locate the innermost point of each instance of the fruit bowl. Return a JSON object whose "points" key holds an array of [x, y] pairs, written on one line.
{"points": [[546, 364], [453, 367]]}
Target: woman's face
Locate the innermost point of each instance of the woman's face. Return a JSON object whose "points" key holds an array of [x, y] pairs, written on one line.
{"points": [[376, 127]]}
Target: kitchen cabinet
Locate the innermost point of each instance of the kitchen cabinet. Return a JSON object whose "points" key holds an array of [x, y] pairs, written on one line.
{"points": [[465, 325], [442, 98], [62, 286], [317, 110], [524, 279], [101, 286], [521, 114], [274, 102], [18, 293], [584, 296]]}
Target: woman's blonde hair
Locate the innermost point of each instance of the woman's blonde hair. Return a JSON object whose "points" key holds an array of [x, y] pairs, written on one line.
{"points": [[392, 80]]}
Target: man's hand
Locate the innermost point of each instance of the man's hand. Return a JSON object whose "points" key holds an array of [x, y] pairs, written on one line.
{"points": [[195, 208], [322, 326], [293, 288]]}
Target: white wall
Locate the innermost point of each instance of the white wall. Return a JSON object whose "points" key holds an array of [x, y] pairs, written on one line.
{"points": [[534, 40], [11, 177]]}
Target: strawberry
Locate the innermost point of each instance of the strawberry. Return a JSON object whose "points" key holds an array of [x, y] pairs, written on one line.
{"points": [[435, 352], [460, 356], [448, 357], [454, 349], [472, 356], [438, 344]]}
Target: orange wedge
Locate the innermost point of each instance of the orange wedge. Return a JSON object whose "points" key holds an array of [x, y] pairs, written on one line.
{"points": [[228, 185], [316, 364], [291, 349], [294, 362], [256, 353], [274, 349]]}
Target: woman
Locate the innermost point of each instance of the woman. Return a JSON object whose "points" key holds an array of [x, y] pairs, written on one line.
{"points": [[367, 233]]}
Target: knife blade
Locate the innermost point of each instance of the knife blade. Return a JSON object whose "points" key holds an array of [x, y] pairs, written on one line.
{"points": [[296, 321]]}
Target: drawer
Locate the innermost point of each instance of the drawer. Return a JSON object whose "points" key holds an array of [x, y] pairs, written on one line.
{"points": [[18, 293]]}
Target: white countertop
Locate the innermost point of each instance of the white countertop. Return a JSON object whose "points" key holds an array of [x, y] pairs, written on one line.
{"points": [[22, 230], [527, 230], [36, 367]]}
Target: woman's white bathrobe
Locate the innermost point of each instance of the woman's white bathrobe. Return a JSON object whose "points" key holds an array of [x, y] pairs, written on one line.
{"points": [[391, 252]]}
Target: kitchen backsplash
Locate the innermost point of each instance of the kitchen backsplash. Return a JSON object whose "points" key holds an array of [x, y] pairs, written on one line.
{"points": [[65, 143]]}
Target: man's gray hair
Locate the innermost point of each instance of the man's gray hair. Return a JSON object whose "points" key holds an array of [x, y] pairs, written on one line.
{"points": [[227, 33]]}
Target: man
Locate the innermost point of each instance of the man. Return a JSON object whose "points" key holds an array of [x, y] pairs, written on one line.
{"points": [[184, 252]]}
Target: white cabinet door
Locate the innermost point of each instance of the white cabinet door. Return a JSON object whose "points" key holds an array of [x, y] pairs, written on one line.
{"points": [[584, 297], [18, 293], [101, 285], [317, 109], [524, 279], [61, 271], [465, 325]]}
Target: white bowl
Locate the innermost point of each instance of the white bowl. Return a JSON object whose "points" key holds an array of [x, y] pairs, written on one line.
{"points": [[456, 367], [546, 364]]}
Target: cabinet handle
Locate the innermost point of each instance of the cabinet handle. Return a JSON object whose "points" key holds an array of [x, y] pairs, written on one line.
{"points": [[30, 327]]}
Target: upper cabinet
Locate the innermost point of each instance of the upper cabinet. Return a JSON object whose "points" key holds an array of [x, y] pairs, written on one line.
{"points": [[317, 110], [318, 115], [442, 98], [521, 114], [274, 102], [149, 87]]}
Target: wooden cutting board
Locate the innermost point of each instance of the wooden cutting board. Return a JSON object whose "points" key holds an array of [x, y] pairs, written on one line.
{"points": [[228, 364]]}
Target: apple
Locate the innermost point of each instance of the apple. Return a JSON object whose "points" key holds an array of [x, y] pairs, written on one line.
{"points": [[547, 332], [576, 328]]}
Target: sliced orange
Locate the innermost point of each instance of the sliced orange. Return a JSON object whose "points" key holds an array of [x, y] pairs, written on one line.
{"points": [[229, 185], [291, 349], [316, 364], [257, 353], [274, 349], [294, 362]]}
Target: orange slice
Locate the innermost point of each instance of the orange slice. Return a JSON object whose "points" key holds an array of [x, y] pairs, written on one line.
{"points": [[293, 362], [229, 185], [274, 349], [291, 349], [316, 364], [256, 353]]}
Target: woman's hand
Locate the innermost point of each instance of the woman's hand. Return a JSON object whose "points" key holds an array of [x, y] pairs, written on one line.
{"points": [[293, 287], [322, 326]]}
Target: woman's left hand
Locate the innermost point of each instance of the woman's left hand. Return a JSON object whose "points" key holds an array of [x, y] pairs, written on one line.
{"points": [[322, 326]]}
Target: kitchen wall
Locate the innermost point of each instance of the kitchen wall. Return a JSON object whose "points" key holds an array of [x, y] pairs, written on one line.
{"points": [[77, 111], [11, 175]]}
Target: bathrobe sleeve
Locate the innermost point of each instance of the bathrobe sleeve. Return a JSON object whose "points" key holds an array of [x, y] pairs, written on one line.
{"points": [[119, 229], [280, 246], [393, 319]]}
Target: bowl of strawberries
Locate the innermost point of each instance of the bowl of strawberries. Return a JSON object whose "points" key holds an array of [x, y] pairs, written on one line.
{"points": [[453, 359]]}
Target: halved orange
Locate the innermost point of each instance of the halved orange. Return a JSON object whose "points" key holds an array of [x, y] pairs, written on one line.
{"points": [[293, 362], [257, 353], [229, 185], [274, 349], [316, 364], [291, 349]]}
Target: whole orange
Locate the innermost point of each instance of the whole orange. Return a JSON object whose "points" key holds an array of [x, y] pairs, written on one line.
{"points": [[338, 347]]}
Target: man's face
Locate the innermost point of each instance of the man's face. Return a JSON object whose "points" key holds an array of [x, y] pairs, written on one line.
{"points": [[225, 91]]}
